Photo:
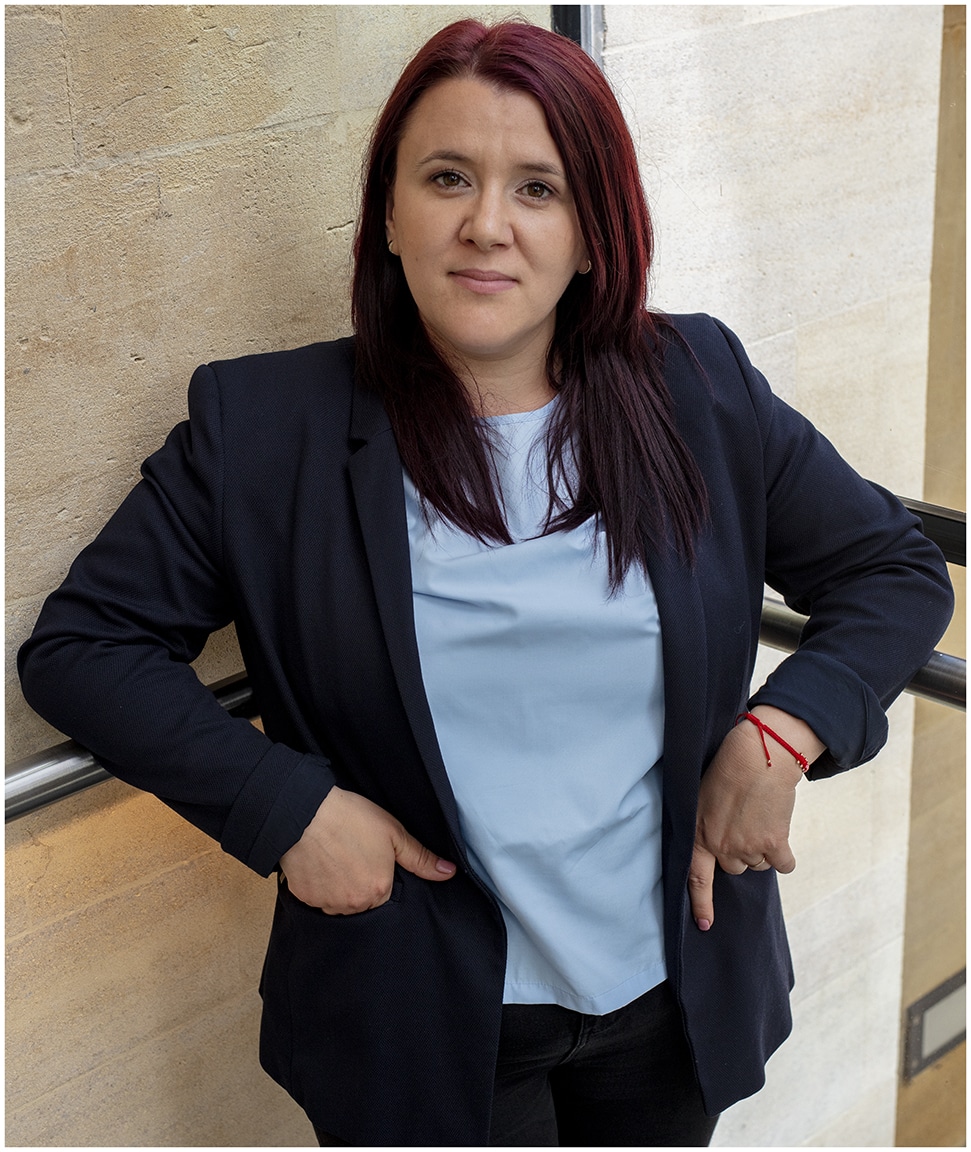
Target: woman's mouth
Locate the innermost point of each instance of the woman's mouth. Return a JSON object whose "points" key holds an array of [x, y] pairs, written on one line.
{"points": [[482, 282]]}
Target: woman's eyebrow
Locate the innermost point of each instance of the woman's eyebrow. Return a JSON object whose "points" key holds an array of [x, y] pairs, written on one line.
{"points": [[542, 167]]}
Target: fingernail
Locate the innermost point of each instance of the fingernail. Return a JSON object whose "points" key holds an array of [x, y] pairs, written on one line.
{"points": [[444, 867], [704, 925]]}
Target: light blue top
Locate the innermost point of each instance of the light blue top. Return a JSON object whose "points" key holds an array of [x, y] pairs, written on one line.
{"points": [[547, 698]]}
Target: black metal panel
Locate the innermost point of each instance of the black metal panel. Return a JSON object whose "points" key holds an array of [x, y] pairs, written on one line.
{"points": [[566, 20], [915, 1058], [945, 526]]}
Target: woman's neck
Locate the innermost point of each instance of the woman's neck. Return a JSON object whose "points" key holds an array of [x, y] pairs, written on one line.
{"points": [[504, 385], [503, 397]]}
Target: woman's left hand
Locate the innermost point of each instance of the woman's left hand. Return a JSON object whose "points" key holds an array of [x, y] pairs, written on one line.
{"points": [[745, 806]]}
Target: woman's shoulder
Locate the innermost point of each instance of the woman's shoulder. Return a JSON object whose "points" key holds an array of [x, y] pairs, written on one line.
{"points": [[276, 394], [710, 377], [700, 351], [252, 402], [328, 364], [704, 338]]}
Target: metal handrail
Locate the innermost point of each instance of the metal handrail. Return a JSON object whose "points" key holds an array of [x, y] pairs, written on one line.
{"points": [[39, 780], [942, 679], [67, 768]]}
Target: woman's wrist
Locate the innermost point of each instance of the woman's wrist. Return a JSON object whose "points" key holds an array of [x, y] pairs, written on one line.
{"points": [[795, 732]]}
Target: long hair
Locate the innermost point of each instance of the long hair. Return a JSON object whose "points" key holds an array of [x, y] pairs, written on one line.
{"points": [[612, 445]]}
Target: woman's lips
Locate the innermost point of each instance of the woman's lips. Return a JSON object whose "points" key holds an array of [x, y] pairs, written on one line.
{"points": [[484, 283]]}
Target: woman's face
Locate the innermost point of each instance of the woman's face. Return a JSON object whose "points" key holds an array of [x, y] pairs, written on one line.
{"points": [[483, 220]]}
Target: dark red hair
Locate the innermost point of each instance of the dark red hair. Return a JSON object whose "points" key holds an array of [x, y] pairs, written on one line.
{"points": [[615, 413]]}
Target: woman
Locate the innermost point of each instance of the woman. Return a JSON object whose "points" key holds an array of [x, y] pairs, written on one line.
{"points": [[496, 567]]}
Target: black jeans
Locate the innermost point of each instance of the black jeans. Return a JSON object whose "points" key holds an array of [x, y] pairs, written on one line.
{"points": [[620, 1080]]}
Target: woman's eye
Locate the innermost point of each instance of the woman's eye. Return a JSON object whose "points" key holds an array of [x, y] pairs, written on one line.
{"points": [[448, 179], [537, 190]]}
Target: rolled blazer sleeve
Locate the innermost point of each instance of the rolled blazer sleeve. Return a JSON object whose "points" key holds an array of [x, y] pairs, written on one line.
{"points": [[848, 555], [108, 661]]}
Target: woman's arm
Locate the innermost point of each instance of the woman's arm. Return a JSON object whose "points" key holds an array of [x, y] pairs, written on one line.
{"points": [[108, 661], [108, 664], [849, 556]]}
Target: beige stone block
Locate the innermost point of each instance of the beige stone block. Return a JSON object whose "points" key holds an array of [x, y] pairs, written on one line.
{"points": [[936, 901], [862, 381], [90, 987], [782, 158], [148, 77], [90, 847], [864, 915], [868, 1124], [940, 760], [843, 1049], [39, 130], [629, 24], [261, 239], [209, 236], [199, 1085]]}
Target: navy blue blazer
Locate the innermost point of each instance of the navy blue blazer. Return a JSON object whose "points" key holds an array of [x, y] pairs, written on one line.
{"points": [[279, 505]]}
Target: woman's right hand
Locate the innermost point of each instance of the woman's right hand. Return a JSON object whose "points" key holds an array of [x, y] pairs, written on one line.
{"points": [[344, 861]]}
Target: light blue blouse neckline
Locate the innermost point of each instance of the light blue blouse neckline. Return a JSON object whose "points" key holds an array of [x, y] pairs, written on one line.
{"points": [[533, 415]]}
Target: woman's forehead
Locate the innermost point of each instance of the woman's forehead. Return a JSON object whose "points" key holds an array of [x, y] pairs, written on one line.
{"points": [[459, 120]]}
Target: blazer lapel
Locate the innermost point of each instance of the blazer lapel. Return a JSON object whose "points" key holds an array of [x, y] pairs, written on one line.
{"points": [[685, 654], [376, 482]]}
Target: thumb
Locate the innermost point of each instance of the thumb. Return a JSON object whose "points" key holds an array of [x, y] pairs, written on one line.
{"points": [[701, 877], [416, 858]]}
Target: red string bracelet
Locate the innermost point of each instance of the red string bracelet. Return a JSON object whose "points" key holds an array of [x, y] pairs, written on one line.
{"points": [[765, 730]]}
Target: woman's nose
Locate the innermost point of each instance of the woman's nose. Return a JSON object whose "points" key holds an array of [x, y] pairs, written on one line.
{"points": [[488, 223]]}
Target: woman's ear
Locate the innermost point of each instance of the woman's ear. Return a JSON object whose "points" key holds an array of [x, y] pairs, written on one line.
{"points": [[389, 228], [584, 263]]}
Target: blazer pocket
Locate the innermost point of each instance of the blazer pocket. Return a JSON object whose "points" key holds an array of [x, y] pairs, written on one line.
{"points": [[294, 905]]}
